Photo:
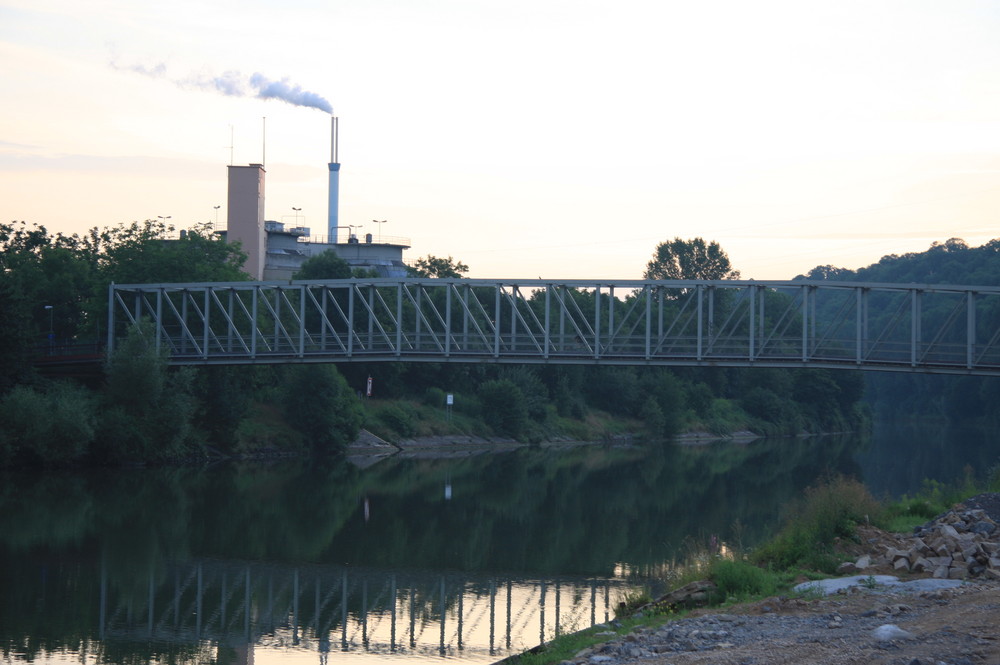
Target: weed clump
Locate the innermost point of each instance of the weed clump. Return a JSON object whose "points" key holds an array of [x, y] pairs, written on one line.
{"points": [[739, 580], [828, 511]]}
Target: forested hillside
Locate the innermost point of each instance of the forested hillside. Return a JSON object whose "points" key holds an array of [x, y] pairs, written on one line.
{"points": [[908, 395]]}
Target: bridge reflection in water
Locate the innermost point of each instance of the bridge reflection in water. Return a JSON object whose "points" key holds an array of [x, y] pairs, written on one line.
{"points": [[324, 608]]}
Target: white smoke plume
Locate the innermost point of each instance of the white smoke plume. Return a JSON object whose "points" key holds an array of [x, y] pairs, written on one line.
{"points": [[236, 84]]}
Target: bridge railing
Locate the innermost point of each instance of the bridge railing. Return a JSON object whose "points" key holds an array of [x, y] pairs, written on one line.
{"points": [[883, 326]]}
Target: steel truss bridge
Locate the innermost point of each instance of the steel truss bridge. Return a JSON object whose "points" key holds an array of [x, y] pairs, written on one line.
{"points": [[734, 323]]}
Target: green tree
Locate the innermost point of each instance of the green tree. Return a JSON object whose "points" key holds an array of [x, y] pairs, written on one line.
{"points": [[147, 409], [54, 424], [690, 259], [434, 266], [325, 265], [319, 404], [15, 332], [505, 408]]}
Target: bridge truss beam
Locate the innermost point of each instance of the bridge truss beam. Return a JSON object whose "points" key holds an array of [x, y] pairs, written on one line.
{"points": [[924, 328]]}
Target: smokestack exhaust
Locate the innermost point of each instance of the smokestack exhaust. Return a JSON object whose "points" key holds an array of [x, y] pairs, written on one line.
{"points": [[333, 214]]}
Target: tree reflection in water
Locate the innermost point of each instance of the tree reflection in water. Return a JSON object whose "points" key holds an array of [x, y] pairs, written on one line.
{"points": [[199, 565]]}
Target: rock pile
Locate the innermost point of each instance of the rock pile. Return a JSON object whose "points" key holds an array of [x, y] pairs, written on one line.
{"points": [[960, 544]]}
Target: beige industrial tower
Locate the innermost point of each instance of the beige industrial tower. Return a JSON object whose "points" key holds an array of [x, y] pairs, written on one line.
{"points": [[246, 216]]}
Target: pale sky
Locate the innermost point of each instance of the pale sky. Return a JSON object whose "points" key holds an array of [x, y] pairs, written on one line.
{"points": [[527, 138]]}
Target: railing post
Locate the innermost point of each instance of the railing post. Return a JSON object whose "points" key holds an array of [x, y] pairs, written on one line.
{"points": [[207, 328], [253, 323], [371, 317], [324, 317], [753, 321], [302, 321], [466, 290], [185, 329], [277, 319], [548, 332], [805, 324], [970, 326], [597, 321], [711, 319], [159, 316], [350, 320], [914, 325], [399, 318], [514, 293], [649, 321], [418, 330], [447, 320], [761, 319], [231, 324], [562, 320], [700, 291], [611, 316], [496, 321]]}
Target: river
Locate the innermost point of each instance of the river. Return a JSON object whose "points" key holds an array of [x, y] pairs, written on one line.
{"points": [[415, 558]]}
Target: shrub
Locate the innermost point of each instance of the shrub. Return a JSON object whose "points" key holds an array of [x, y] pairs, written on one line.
{"points": [[51, 425], [319, 403], [434, 397], [398, 419], [829, 510], [740, 579], [504, 407]]}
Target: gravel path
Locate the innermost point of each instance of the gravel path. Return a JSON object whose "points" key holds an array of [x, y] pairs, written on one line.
{"points": [[893, 625], [954, 627]]}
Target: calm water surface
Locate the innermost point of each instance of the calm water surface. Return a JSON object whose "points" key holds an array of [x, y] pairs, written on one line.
{"points": [[465, 559]]}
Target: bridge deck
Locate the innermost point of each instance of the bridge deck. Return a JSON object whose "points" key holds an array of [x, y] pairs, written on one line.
{"points": [[925, 328]]}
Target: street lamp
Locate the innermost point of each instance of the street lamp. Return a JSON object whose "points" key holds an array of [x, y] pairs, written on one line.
{"points": [[216, 225], [380, 223], [297, 211], [163, 219]]}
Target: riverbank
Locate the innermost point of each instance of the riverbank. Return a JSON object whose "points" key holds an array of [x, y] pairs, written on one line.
{"points": [[900, 607], [866, 625]]}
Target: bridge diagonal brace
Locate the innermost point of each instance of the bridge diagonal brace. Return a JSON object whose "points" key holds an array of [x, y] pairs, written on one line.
{"points": [[514, 298], [421, 318], [231, 328], [325, 324], [378, 322], [684, 318], [562, 295], [953, 316], [468, 315], [737, 314], [182, 321], [638, 301]]}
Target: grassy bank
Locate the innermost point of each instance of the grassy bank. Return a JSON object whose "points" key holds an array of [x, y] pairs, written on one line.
{"points": [[827, 515]]}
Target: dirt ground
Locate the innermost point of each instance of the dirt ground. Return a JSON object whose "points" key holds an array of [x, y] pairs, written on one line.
{"points": [[957, 627], [892, 625]]}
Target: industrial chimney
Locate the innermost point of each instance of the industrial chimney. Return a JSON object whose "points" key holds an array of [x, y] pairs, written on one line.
{"points": [[334, 183]]}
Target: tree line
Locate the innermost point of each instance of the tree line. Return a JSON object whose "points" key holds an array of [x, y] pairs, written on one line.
{"points": [[906, 395], [53, 292]]}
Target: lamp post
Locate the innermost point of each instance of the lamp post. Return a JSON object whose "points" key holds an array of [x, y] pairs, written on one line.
{"points": [[216, 225], [52, 332], [380, 223], [162, 218], [297, 211]]}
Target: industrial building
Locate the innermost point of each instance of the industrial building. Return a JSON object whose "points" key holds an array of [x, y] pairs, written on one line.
{"points": [[275, 253]]}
